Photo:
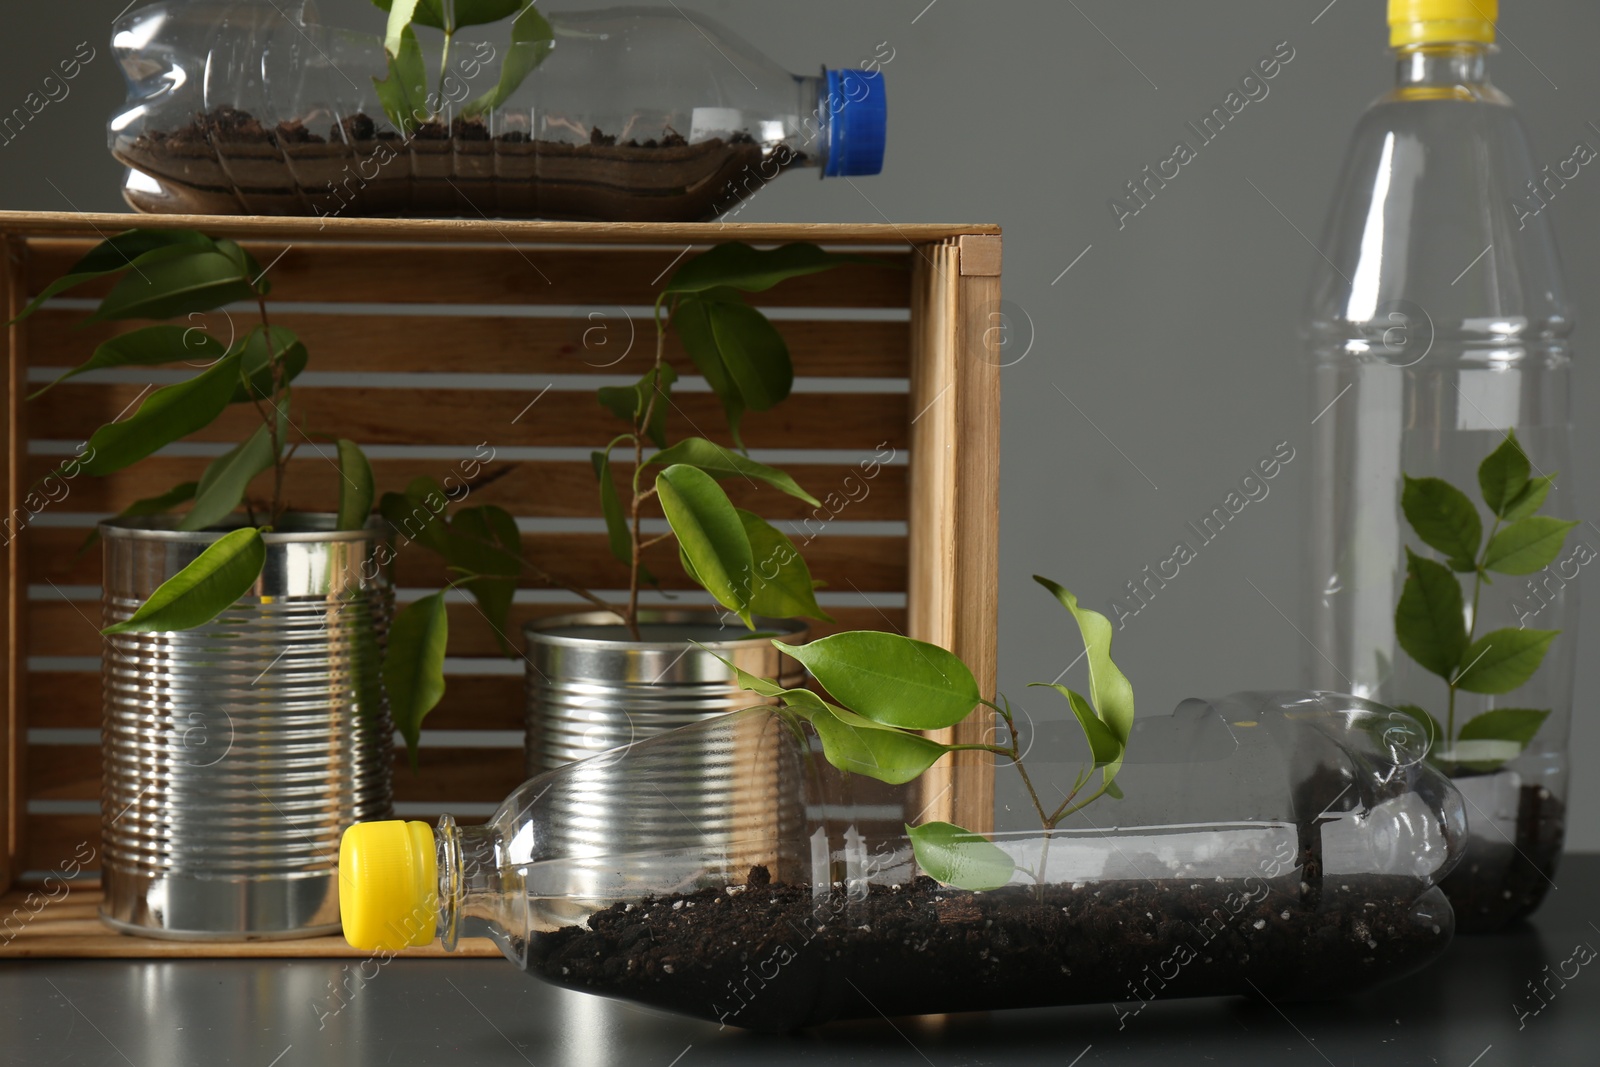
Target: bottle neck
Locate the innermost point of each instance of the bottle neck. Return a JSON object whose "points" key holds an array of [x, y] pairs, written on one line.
{"points": [[1442, 66], [471, 889]]}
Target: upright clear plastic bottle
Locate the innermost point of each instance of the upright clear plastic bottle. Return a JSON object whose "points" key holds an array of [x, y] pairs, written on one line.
{"points": [[1438, 327]]}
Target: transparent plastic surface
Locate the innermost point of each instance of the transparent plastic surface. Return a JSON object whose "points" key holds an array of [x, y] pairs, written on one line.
{"points": [[1282, 842], [648, 114], [1438, 322]]}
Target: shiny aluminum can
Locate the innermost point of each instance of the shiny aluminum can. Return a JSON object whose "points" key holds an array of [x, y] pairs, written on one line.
{"points": [[236, 753], [592, 691]]}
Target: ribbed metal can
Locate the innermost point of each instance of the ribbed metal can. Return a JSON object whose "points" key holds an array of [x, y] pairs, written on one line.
{"points": [[236, 753], [590, 690]]}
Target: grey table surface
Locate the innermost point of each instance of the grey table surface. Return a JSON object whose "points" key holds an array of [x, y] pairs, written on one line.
{"points": [[1472, 1009]]}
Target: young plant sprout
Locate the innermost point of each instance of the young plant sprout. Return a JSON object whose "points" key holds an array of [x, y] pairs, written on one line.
{"points": [[1430, 622], [749, 567], [886, 689], [404, 93]]}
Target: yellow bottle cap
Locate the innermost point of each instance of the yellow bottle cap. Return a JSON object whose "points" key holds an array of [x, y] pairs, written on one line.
{"points": [[388, 885], [1442, 21]]}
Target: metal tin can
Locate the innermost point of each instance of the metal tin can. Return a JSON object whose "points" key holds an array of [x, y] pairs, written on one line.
{"points": [[236, 753], [590, 690]]}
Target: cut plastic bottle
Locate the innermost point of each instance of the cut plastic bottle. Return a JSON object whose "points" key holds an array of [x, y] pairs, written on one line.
{"points": [[1288, 843], [626, 114]]}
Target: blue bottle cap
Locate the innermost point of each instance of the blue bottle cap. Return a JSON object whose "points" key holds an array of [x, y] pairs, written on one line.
{"points": [[858, 123]]}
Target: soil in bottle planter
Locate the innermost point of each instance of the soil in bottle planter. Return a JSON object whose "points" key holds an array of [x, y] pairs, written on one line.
{"points": [[226, 160], [627, 115], [1264, 842], [752, 955], [1499, 881]]}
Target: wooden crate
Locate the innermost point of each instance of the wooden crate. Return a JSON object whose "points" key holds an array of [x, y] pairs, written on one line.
{"points": [[394, 313]]}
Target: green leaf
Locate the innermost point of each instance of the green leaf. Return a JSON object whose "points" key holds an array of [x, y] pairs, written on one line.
{"points": [[617, 532], [1109, 688], [466, 12], [1531, 499], [890, 679], [176, 281], [413, 670], [401, 15], [779, 583], [404, 93], [532, 38], [210, 584], [1431, 727], [1527, 546], [167, 415], [720, 463], [226, 479], [485, 542], [1443, 516], [1103, 744], [630, 402], [1505, 724], [736, 265], [858, 746], [693, 319], [949, 854], [255, 368], [1503, 474], [1428, 620], [356, 486], [754, 353], [248, 266], [129, 249], [710, 532], [416, 514], [150, 505], [1500, 661], [147, 347], [762, 686]]}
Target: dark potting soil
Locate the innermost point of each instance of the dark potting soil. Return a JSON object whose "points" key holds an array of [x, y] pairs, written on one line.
{"points": [[227, 161], [770, 956], [1496, 882]]}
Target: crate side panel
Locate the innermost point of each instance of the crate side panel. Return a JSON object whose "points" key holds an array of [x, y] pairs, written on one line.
{"points": [[503, 274]]}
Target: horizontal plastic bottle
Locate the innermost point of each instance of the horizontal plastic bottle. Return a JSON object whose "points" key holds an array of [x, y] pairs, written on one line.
{"points": [[629, 114], [1288, 842], [1438, 326]]}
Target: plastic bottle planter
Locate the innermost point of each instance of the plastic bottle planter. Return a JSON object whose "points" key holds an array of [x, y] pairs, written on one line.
{"points": [[1275, 842], [254, 107], [236, 753], [1422, 369]]}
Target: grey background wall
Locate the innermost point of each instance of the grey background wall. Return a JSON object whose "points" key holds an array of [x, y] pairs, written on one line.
{"points": [[1164, 362]]}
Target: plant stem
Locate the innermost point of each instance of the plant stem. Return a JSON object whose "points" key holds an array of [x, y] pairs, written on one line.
{"points": [[1472, 630], [444, 67], [641, 427], [280, 462]]}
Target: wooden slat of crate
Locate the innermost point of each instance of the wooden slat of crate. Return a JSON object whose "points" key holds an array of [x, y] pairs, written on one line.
{"points": [[458, 416], [544, 489], [852, 342], [603, 341], [849, 562], [67, 927], [497, 274], [71, 628], [83, 225]]}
